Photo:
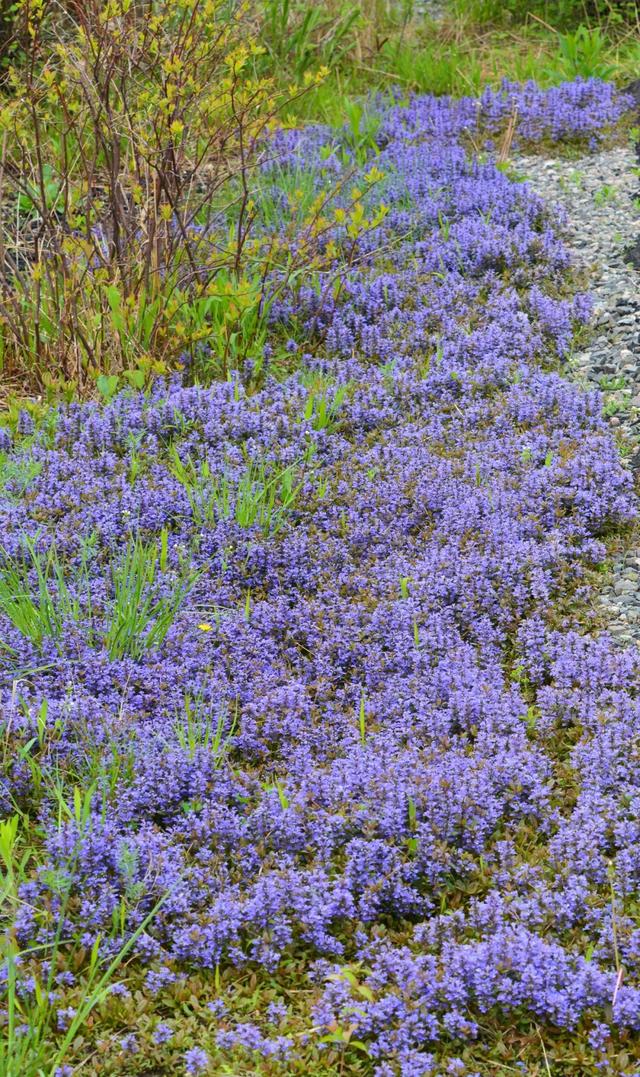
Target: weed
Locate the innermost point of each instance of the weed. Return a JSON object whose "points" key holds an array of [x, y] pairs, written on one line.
{"points": [[611, 385], [431, 68], [294, 188], [265, 499], [575, 179], [209, 498], [196, 730], [262, 496], [564, 13], [605, 195], [17, 474], [581, 54], [299, 37], [322, 412], [362, 719], [35, 595], [361, 129], [145, 602]]}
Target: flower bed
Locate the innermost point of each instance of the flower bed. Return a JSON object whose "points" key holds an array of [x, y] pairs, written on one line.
{"points": [[344, 711]]}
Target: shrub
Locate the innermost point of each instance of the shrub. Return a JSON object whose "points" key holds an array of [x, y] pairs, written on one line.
{"points": [[131, 136]]}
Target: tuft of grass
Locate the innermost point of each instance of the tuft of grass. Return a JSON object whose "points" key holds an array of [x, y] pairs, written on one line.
{"points": [[145, 602], [266, 498], [321, 411], [37, 598], [35, 595], [17, 474], [605, 195], [362, 719], [583, 54], [209, 497], [563, 13], [362, 126], [299, 36], [196, 730], [263, 496], [430, 68]]}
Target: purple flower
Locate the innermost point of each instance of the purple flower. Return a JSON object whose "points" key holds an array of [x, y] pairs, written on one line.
{"points": [[156, 979], [384, 693], [276, 1012], [65, 1016], [163, 1033], [25, 426], [196, 1061], [129, 1044]]}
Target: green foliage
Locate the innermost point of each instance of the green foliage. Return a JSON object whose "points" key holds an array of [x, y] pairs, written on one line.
{"points": [[361, 129], [263, 496], [16, 474], [604, 195], [362, 719], [145, 600], [130, 156], [34, 593], [322, 411], [582, 54], [432, 68], [299, 35], [266, 498], [196, 731], [40, 596], [131, 149], [559, 13], [296, 187], [231, 319]]}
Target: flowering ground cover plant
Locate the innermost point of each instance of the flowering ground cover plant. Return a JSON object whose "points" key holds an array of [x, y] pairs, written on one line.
{"points": [[308, 764]]}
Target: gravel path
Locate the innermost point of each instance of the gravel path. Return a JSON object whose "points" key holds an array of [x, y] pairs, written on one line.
{"points": [[598, 193]]}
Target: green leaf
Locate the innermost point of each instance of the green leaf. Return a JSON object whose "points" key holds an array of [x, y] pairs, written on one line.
{"points": [[107, 385], [114, 300], [135, 378]]}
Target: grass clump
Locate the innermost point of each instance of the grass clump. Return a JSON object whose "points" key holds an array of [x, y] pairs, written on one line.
{"points": [[263, 496], [35, 595], [145, 605], [43, 598]]}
